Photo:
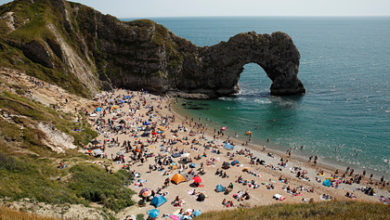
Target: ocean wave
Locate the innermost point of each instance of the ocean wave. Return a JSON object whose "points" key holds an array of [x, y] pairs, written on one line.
{"points": [[226, 98], [262, 101]]}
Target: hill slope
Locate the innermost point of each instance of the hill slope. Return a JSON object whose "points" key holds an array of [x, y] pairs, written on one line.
{"points": [[38, 130]]}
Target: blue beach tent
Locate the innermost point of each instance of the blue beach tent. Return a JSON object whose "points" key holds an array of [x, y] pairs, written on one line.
{"points": [[197, 213], [153, 213], [327, 183], [220, 188], [158, 200], [229, 146]]}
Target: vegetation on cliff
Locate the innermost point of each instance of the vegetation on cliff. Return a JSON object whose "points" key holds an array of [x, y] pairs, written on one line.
{"points": [[28, 168], [27, 23]]}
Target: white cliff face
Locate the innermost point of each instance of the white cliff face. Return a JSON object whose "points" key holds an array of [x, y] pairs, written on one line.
{"points": [[75, 63], [56, 140], [9, 20]]}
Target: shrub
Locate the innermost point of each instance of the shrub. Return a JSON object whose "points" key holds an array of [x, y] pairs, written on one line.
{"points": [[96, 185]]}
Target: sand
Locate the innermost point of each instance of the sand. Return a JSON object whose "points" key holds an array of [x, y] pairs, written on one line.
{"points": [[260, 196]]}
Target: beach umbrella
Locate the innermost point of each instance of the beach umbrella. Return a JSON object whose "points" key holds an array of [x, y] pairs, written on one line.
{"points": [[153, 213], [197, 213], [144, 190], [122, 101], [192, 165], [98, 109], [234, 162], [174, 217], [223, 128], [146, 194], [197, 179]]}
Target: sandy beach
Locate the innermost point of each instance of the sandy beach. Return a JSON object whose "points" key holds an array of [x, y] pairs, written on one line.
{"points": [[141, 132]]}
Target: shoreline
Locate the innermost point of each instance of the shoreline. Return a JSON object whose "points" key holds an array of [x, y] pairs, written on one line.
{"points": [[265, 179], [329, 164], [301, 159]]}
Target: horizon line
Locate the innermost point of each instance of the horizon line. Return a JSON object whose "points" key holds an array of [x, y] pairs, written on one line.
{"points": [[228, 16]]}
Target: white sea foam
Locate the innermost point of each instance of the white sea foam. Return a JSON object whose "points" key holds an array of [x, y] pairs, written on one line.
{"points": [[262, 101]]}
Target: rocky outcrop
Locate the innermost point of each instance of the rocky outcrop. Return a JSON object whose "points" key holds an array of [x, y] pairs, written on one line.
{"points": [[144, 55], [37, 53], [220, 66]]}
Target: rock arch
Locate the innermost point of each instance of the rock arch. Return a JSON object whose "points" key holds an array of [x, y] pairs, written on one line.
{"points": [[222, 64]]}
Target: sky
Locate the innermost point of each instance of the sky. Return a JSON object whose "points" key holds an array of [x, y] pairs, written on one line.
{"points": [[183, 8]]}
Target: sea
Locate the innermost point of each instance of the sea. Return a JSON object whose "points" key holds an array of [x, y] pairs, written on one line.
{"points": [[344, 117]]}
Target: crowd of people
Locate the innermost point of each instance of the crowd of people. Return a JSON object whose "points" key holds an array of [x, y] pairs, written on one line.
{"points": [[139, 130]]}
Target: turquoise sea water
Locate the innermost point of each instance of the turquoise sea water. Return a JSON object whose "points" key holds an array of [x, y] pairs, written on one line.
{"points": [[345, 66]]}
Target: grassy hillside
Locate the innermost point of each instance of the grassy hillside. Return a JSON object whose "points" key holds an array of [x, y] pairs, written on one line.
{"points": [[323, 211], [28, 168], [30, 23]]}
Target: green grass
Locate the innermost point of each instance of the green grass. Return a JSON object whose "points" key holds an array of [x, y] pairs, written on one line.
{"points": [[107, 189], [14, 58], [26, 175], [323, 211], [31, 20], [34, 178]]}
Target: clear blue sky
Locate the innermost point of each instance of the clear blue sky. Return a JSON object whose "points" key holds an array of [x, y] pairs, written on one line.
{"points": [[169, 8]]}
